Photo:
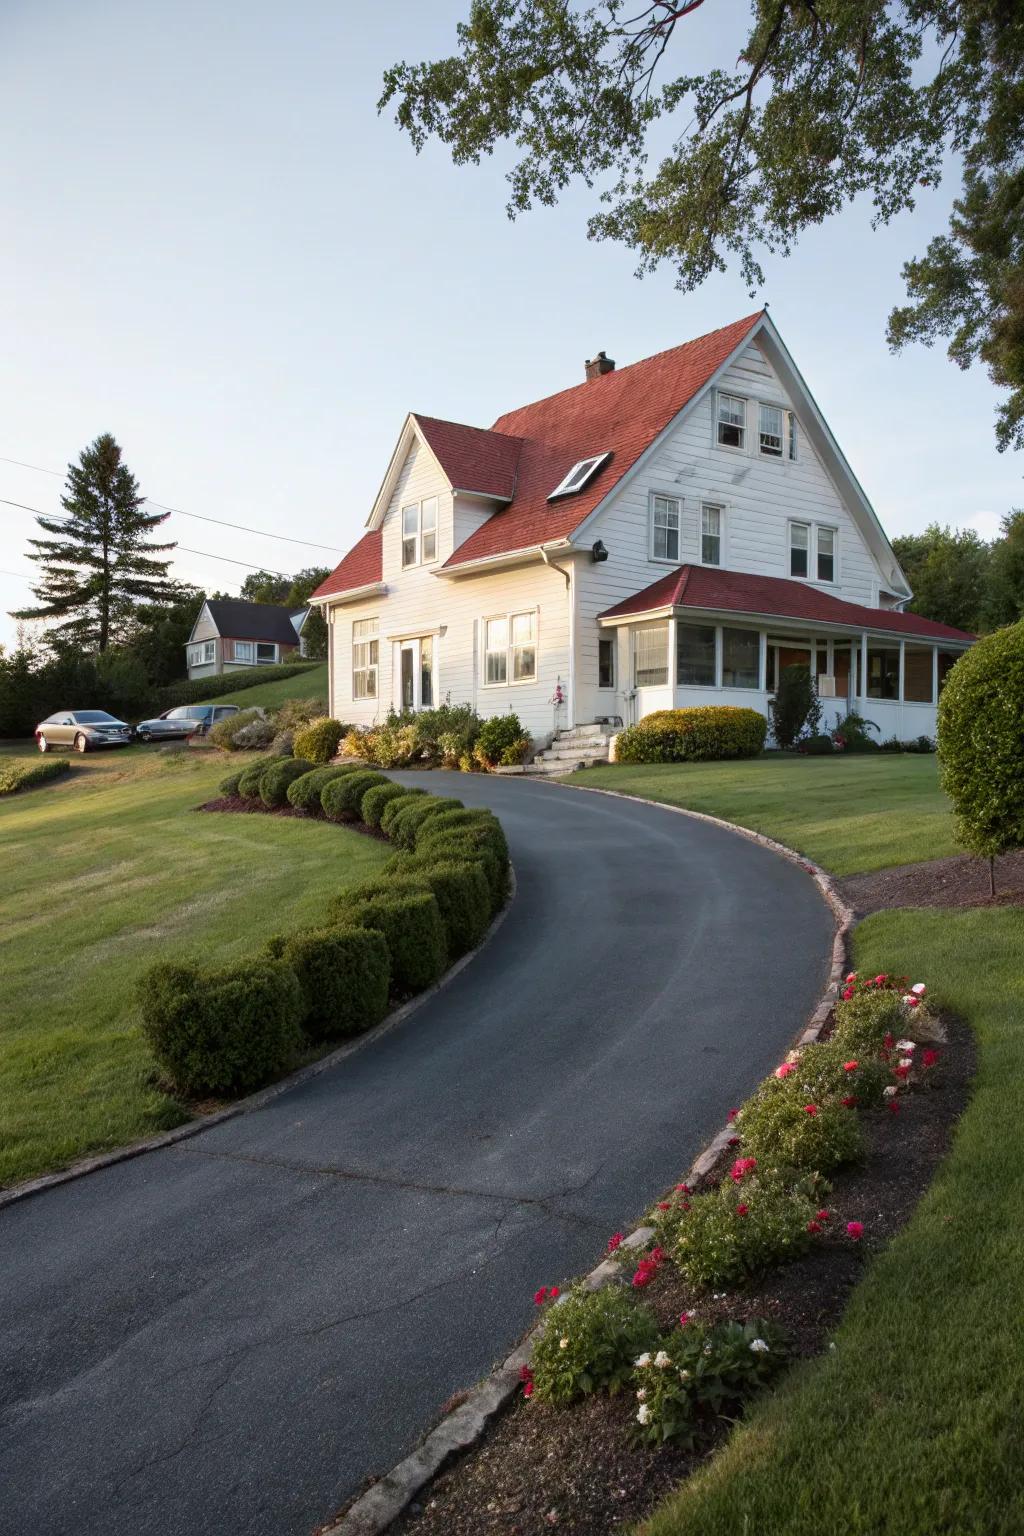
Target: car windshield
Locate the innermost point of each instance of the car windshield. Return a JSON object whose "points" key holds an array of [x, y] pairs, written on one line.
{"points": [[95, 717]]}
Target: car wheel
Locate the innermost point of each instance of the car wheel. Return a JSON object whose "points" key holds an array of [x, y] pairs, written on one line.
{"points": [[145, 736], [81, 745], [43, 744]]}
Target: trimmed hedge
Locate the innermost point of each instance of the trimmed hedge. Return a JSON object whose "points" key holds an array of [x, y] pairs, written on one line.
{"points": [[340, 799], [19, 775], [404, 829], [304, 793], [462, 892], [371, 807], [395, 806], [198, 690], [249, 778], [410, 921], [981, 755], [703, 734], [222, 1032], [319, 739], [277, 776], [229, 786], [345, 977]]}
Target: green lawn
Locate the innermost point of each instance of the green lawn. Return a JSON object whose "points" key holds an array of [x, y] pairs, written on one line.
{"points": [[102, 873], [303, 685], [846, 813], [912, 1426]]}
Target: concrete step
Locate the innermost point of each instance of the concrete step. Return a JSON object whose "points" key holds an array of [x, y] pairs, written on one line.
{"points": [[583, 732], [563, 753], [553, 765]]}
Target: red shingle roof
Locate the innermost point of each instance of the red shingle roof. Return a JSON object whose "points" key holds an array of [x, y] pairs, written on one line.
{"points": [[621, 413], [361, 567], [701, 586], [473, 458]]}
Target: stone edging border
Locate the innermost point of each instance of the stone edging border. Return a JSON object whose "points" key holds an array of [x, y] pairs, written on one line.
{"points": [[374, 1511], [257, 1100]]}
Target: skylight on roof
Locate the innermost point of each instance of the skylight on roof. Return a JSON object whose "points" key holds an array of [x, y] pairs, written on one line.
{"points": [[579, 475]]}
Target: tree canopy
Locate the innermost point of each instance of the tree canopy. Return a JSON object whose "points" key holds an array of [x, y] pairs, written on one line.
{"points": [[814, 103]]}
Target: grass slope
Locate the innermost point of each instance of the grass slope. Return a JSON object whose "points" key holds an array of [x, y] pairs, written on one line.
{"points": [[101, 875], [912, 1426], [849, 814], [304, 685]]}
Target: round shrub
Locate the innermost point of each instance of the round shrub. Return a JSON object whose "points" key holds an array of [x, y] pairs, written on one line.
{"points": [[410, 921], [318, 741], [393, 807], [473, 844], [371, 807], [721, 1245], [277, 776], [229, 786], [222, 1032], [498, 735], [404, 828], [462, 893], [817, 746], [606, 1331], [340, 799], [344, 974], [981, 742], [304, 793], [459, 819], [255, 736], [703, 734], [249, 778], [222, 734], [783, 1128]]}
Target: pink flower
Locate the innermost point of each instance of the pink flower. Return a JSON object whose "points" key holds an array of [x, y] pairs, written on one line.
{"points": [[664, 1205], [731, 1116], [741, 1210], [814, 1227], [850, 1066], [528, 1389], [847, 994], [855, 1230], [810, 1109], [554, 1293], [881, 980], [541, 1296], [929, 1058], [888, 1042], [684, 1318], [741, 1167], [615, 1241], [902, 1072], [823, 1215], [644, 1275], [912, 1001], [683, 1189], [851, 977], [850, 1100], [786, 1068]]}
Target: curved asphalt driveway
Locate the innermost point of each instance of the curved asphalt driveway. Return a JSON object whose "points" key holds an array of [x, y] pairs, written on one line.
{"points": [[231, 1334]]}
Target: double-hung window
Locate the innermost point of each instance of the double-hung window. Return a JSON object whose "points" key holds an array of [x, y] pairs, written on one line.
{"points": [[799, 549], [710, 534], [826, 553], [419, 532], [665, 519], [510, 649], [732, 421], [365, 656], [771, 424], [523, 627], [812, 552]]}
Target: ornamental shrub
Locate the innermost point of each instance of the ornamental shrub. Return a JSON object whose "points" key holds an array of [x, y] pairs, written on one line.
{"points": [[498, 735], [340, 798], [981, 743], [589, 1343], [222, 1032], [867, 1019], [393, 807], [403, 828], [470, 843], [459, 819], [703, 1366], [732, 1234], [229, 786], [318, 741], [249, 778], [19, 775], [410, 921], [702, 734], [851, 734], [276, 777], [817, 746], [223, 732], [376, 798], [255, 736], [793, 702], [783, 1128], [292, 714], [461, 891], [304, 793], [344, 974]]}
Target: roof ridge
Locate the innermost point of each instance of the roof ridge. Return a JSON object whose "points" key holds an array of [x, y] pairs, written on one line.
{"points": [[468, 426]]}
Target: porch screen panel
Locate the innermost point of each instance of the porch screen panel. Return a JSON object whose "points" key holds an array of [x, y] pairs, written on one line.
{"points": [[883, 672], [650, 657], [917, 675], [947, 660], [695, 655], [741, 658]]}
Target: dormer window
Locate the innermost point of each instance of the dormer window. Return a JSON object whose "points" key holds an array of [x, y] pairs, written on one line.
{"points": [[419, 532], [579, 475]]}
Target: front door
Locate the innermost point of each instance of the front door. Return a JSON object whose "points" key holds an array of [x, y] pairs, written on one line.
{"points": [[416, 673]]}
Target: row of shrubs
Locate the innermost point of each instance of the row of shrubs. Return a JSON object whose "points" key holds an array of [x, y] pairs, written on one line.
{"points": [[796, 1129], [451, 736], [253, 730], [198, 690], [228, 1031], [18, 774], [702, 734]]}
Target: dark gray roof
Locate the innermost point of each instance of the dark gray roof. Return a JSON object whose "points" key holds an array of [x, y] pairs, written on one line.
{"points": [[239, 620]]}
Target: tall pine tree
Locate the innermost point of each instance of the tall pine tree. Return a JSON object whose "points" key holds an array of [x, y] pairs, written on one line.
{"points": [[98, 565]]}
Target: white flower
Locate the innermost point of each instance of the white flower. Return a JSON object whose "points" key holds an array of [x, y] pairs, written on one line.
{"points": [[906, 1061], [662, 1360], [707, 1349], [684, 1375], [643, 1413], [759, 1346], [890, 1092], [641, 1394], [906, 1046], [563, 1343], [643, 1359], [919, 989]]}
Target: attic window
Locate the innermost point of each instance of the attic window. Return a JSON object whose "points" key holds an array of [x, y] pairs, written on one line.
{"points": [[579, 475]]}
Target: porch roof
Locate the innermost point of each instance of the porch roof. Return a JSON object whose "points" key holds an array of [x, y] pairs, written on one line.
{"points": [[708, 588]]}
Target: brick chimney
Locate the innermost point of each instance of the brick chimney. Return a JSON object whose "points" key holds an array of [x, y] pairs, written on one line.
{"points": [[598, 365]]}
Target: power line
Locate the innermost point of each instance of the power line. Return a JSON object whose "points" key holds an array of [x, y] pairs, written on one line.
{"points": [[199, 516]]}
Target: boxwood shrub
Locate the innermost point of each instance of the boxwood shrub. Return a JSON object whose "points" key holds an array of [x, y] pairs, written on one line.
{"points": [[18, 775], [222, 1032], [404, 827], [304, 793], [372, 805], [249, 778], [229, 786], [470, 845], [701, 734], [345, 976], [410, 921], [980, 710], [318, 741], [277, 776], [340, 799], [393, 807], [462, 893]]}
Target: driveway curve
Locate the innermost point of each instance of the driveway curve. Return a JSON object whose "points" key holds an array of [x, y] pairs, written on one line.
{"points": [[233, 1333]]}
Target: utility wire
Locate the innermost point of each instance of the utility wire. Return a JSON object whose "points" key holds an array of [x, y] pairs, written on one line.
{"points": [[241, 527]]}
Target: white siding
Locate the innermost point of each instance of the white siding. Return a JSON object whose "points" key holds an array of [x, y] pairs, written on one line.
{"points": [[204, 628]]}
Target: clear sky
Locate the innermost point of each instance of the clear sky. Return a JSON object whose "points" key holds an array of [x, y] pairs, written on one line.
{"points": [[214, 248]]}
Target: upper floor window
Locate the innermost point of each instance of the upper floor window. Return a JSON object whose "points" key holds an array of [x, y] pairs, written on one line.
{"points": [[419, 532], [732, 421], [365, 658], [578, 476], [710, 534], [812, 551], [826, 541], [665, 519], [770, 427], [510, 649], [799, 549]]}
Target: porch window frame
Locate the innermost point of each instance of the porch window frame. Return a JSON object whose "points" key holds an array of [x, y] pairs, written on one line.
{"points": [[642, 629], [208, 649]]}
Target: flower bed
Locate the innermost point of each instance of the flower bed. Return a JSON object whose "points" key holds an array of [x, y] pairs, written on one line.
{"points": [[712, 1334], [229, 1031]]}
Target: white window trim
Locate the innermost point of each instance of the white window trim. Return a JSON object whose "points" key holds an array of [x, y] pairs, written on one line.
{"points": [[509, 680], [789, 420], [209, 650], [812, 578], [822, 581], [371, 666], [744, 448], [664, 559], [723, 526], [635, 633], [580, 475], [402, 535]]}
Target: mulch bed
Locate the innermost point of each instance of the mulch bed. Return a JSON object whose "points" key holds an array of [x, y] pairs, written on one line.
{"points": [[235, 804], [961, 881], [579, 1469]]}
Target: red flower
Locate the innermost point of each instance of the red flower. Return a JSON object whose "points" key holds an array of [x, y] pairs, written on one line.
{"points": [[683, 1189], [528, 1389], [732, 1115], [929, 1058], [741, 1167], [656, 1255], [810, 1109], [823, 1215], [814, 1227], [847, 994], [741, 1210], [644, 1275], [855, 1230], [684, 1318], [786, 1068], [554, 1293], [894, 1106], [525, 1373], [850, 1066], [888, 1042], [615, 1241], [901, 1071], [880, 981], [664, 1205], [850, 1100], [541, 1296]]}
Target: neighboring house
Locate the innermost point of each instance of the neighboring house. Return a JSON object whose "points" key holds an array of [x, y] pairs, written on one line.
{"points": [[230, 633], [667, 534]]}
